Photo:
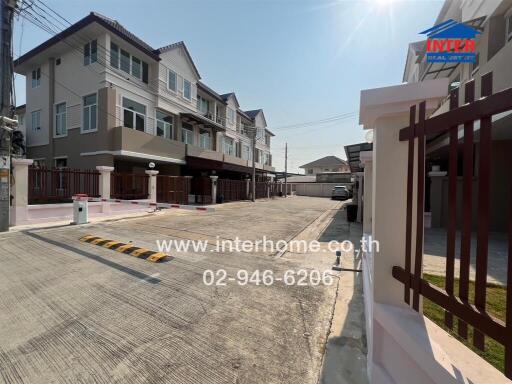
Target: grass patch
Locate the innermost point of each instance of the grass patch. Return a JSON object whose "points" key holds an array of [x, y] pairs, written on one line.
{"points": [[496, 304]]}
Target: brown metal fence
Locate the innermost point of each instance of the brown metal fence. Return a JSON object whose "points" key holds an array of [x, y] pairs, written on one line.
{"points": [[201, 188], [261, 189], [53, 185], [172, 189], [469, 310], [232, 190], [129, 186]]}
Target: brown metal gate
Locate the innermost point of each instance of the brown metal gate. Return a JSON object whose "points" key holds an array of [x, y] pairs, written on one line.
{"points": [[129, 186], [469, 310], [201, 188], [172, 189], [232, 190]]}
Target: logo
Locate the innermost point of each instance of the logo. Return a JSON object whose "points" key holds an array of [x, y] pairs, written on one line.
{"points": [[451, 42]]}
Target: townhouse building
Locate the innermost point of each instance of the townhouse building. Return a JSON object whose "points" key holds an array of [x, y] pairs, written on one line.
{"points": [[493, 18], [96, 94]]}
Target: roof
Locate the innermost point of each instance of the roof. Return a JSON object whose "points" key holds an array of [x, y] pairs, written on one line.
{"points": [[182, 45], [353, 155], [325, 161], [112, 25], [252, 114], [226, 96], [210, 91]]}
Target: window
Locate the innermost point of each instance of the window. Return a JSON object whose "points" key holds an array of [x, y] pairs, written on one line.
{"points": [[89, 113], [229, 146], [187, 89], [61, 162], [36, 78], [36, 120], [267, 139], [125, 61], [202, 105], [204, 139], [57, 62], [134, 115], [246, 152], [39, 163], [60, 120], [121, 59], [114, 55], [310, 171], [90, 52], [474, 66], [231, 115], [173, 81], [136, 67], [509, 27], [335, 169], [164, 125], [187, 134]]}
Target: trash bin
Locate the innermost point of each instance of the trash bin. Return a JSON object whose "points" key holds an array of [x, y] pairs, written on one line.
{"points": [[351, 213], [220, 199], [80, 209]]}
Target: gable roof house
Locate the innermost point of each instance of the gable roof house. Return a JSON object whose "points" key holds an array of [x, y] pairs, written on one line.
{"points": [[97, 95], [326, 164]]}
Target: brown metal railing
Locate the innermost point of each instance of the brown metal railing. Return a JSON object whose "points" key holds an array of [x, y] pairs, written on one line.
{"points": [[172, 189], [129, 186], [53, 185], [261, 189], [469, 311]]}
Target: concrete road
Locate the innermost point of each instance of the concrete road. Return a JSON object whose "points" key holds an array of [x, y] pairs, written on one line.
{"points": [[72, 312]]}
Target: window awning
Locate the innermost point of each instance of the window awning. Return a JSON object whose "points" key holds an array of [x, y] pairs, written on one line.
{"points": [[353, 155], [196, 118]]}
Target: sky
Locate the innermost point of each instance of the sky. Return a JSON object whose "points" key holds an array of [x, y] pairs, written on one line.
{"points": [[302, 61]]}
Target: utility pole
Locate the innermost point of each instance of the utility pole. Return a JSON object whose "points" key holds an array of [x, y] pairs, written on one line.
{"points": [[253, 135], [6, 19], [286, 170]]}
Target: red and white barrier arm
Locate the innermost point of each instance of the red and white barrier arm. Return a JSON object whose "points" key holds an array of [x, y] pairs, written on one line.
{"points": [[155, 205]]}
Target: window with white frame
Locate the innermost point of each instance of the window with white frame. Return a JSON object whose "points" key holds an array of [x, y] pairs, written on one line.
{"points": [[91, 52], [89, 113], [164, 125], [187, 89], [60, 120], [36, 77], [229, 146], [202, 105], [125, 61], [173, 81], [136, 67], [231, 115], [204, 139], [36, 120], [187, 134], [114, 55], [509, 27], [134, 115], [246, 152]]}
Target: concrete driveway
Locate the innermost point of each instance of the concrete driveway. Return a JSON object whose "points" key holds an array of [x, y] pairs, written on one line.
{"points": [[72, 312]]}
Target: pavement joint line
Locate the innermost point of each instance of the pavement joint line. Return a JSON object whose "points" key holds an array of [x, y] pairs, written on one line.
{"points": [[130, 249]]}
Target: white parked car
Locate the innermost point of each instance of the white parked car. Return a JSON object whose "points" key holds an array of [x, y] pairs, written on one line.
{"points": [[340, 192]]}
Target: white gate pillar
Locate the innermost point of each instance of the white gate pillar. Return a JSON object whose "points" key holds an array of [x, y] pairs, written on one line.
{"points": [[214, 188], [19, 190], [152, 184]]}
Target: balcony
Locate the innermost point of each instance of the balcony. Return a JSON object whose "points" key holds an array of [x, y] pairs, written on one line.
{"points": [[132, 143], [202, 153], [236, 160]]}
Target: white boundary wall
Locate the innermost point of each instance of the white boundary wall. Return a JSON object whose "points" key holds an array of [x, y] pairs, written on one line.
{"points": [[315, 189]]}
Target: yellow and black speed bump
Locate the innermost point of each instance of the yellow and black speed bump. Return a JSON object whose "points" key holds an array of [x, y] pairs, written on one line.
{"points": [[128, 249]]}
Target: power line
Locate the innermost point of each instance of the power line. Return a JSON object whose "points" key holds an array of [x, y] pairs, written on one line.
{"points": [[331, 119]]}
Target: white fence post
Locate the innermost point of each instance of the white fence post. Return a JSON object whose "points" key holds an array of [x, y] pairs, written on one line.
{"points": [[214, 188], [152, 184], [19, 189]]}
